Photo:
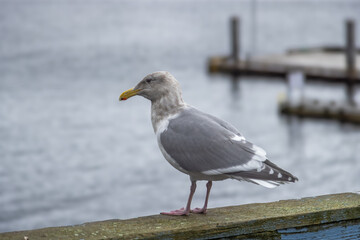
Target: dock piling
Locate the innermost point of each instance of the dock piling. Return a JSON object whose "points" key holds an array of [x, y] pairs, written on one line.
{"points": [[234, 38], [350, 51]]}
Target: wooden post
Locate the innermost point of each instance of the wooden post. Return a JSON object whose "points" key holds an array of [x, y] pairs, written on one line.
{"points": [[235, 38], [350, 60], [253, 27]]}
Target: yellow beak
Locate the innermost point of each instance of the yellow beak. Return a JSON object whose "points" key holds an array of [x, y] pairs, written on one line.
{"points": [[128, 94]]}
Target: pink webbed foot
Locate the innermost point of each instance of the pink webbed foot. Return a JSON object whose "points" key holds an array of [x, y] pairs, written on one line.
{"points": [[179, 212], [199, 210]]}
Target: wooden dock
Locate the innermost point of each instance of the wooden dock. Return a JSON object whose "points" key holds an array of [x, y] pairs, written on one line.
{"points": [[331, 64], [313, 108], [338, 65], [316, 65]]}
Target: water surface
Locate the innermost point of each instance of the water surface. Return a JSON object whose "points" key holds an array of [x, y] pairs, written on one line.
{"points": [[71, 153]]}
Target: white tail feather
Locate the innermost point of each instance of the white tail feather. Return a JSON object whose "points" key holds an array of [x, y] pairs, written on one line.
{"points": [[264, 183]]}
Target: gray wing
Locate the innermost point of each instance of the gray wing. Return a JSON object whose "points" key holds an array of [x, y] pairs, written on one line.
{"points": [[199, 142]]}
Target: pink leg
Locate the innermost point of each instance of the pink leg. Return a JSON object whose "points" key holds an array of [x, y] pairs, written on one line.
{"points": [[183, 211], [203, 210]]}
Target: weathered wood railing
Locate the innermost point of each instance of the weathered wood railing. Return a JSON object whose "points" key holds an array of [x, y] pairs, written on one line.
{"points": [[275, 219]]}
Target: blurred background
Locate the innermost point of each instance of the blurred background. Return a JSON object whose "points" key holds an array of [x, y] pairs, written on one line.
{"points": [[70, 152]]}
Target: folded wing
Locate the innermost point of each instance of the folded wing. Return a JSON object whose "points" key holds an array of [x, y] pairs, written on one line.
{"points": [[201, 143]]}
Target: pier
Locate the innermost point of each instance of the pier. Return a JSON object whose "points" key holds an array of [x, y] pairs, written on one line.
{"points": [[327, 215], [318, 64], [336, 64], [323, 64], [326, 65], [313, 108]]}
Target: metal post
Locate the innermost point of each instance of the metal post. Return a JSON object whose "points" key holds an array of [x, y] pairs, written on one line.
{"points": [[350, 60], [235, 38]]}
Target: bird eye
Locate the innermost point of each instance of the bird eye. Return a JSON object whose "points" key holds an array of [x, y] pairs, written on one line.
{"points": [[148, 80]]}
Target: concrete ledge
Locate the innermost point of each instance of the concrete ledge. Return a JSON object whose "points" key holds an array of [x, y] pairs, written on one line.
{"points": [[245, 220]]}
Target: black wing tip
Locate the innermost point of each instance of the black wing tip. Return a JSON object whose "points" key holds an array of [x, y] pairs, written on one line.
{"points": [[286, 176]]}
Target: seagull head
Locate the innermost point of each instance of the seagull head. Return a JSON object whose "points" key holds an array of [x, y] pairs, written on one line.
{"points": [[154, 87]]}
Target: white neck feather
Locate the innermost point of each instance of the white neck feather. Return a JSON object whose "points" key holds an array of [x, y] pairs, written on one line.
{"points": [[165, 107]]}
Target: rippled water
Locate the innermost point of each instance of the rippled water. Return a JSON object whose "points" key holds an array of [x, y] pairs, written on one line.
{"points": [[71, 153]]}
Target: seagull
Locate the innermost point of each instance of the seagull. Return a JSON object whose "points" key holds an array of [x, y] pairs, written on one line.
{"points": [[201, 145]]}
